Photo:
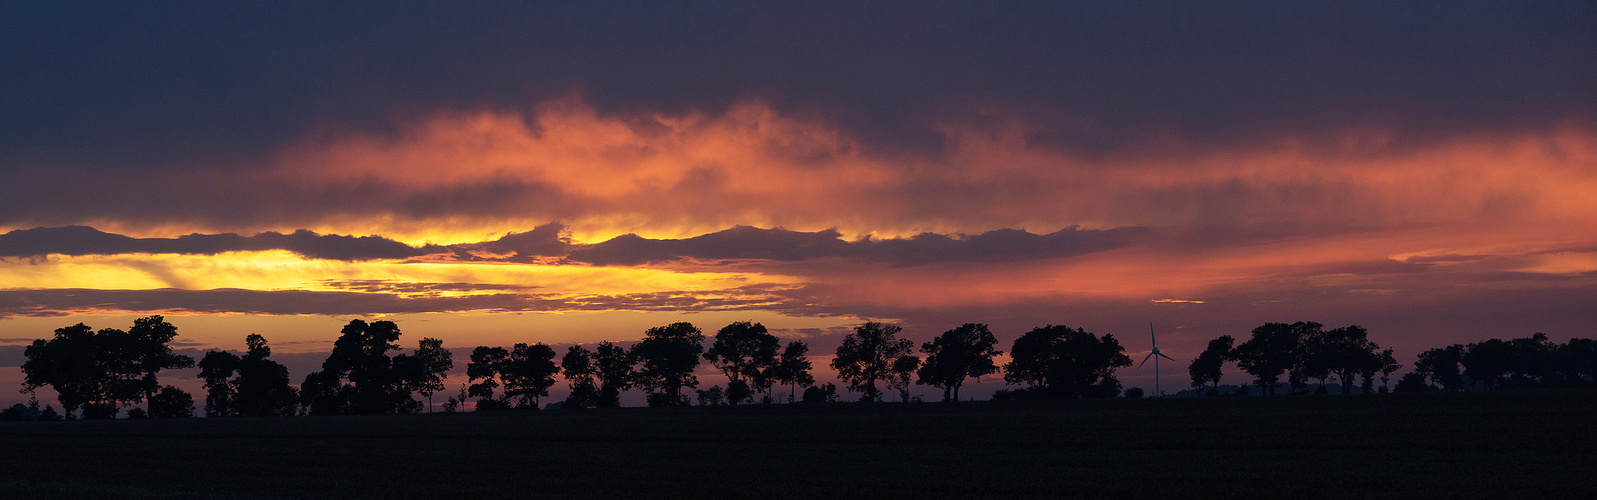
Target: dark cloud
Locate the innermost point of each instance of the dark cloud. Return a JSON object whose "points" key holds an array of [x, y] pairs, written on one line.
{"points": [[111, 85], [743, 242], [737, 243], [1002, 245], [82, 240], [548, 240], [65, 301], [220, 197]]}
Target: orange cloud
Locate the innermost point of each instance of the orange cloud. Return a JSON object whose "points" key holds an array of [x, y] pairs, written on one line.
{"points": [[681, 175]]}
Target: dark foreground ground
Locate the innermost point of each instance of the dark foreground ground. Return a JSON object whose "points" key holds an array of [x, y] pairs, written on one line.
{"points": [[1514, 445]]}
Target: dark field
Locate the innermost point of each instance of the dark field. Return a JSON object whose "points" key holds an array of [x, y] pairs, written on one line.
{"points": [[1522, 445]]}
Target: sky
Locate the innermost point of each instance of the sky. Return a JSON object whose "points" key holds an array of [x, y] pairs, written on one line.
{"points": [[494, 173]]}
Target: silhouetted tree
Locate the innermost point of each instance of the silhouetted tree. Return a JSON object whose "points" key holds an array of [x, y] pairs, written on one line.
{"points": [[1576, 361], [1376, 362], [433, 362], [455, 402], [714, 396], [1413, 382], [957, 354], [150, 354], [68, 364], [359, 377], [1348, 351], [1274, 349], [579, 368], [171, 402], [1520, 363], [249, 385], [867, 355], [745, 353], [1534, 361], [1135, 393], [17, 413], [667, 356], [615, 373], [738, 390], [1440, 365], [903, 372], [487, 364], [1388, 364], [793, 368], [100, 371], [263, 388], [1314, 360], [217, 369], [824, 393], [1487, 362], [1056, 361], [529, 373], [1205, 369]]}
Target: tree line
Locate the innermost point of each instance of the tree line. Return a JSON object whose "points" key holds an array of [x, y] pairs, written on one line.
{"points": [[1306, 352], [97, 373], [1521, 363]]}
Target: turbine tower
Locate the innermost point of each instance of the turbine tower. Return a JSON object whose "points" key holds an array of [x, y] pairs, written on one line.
{"points": [[1155, 360]]}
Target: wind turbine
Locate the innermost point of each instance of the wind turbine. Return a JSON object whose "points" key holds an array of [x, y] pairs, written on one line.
{"points": [[1155, 360]]}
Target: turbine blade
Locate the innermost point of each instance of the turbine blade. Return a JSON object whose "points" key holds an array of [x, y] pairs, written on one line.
{"points": [[1166, 357], [1144, 361]]}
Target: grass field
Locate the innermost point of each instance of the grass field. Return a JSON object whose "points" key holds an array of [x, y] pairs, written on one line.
{"points": [[1506, 445]]}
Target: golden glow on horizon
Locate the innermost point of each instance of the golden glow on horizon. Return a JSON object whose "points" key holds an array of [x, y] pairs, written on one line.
{"points": [[281, 270]]}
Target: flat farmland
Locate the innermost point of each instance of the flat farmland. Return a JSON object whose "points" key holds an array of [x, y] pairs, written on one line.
{"points": [[1531, 444]]}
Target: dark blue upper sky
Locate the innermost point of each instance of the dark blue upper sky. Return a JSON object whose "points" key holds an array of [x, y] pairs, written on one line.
{"points": [[119, 85]]}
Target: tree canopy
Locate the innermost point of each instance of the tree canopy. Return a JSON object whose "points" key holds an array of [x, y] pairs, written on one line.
{"points": [[1205, 369], [1057, 361], [1274, 349], [426, 368], [485, 372], [248, 385], [579, 367], [528, 374], [667, 356], [359, 376], [99, 372], [957, 354], [745, 353], [793, 368], [614, 368], [867, 355]]}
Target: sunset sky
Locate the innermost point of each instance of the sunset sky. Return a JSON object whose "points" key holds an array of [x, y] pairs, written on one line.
{"points": [[565, 173]]}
